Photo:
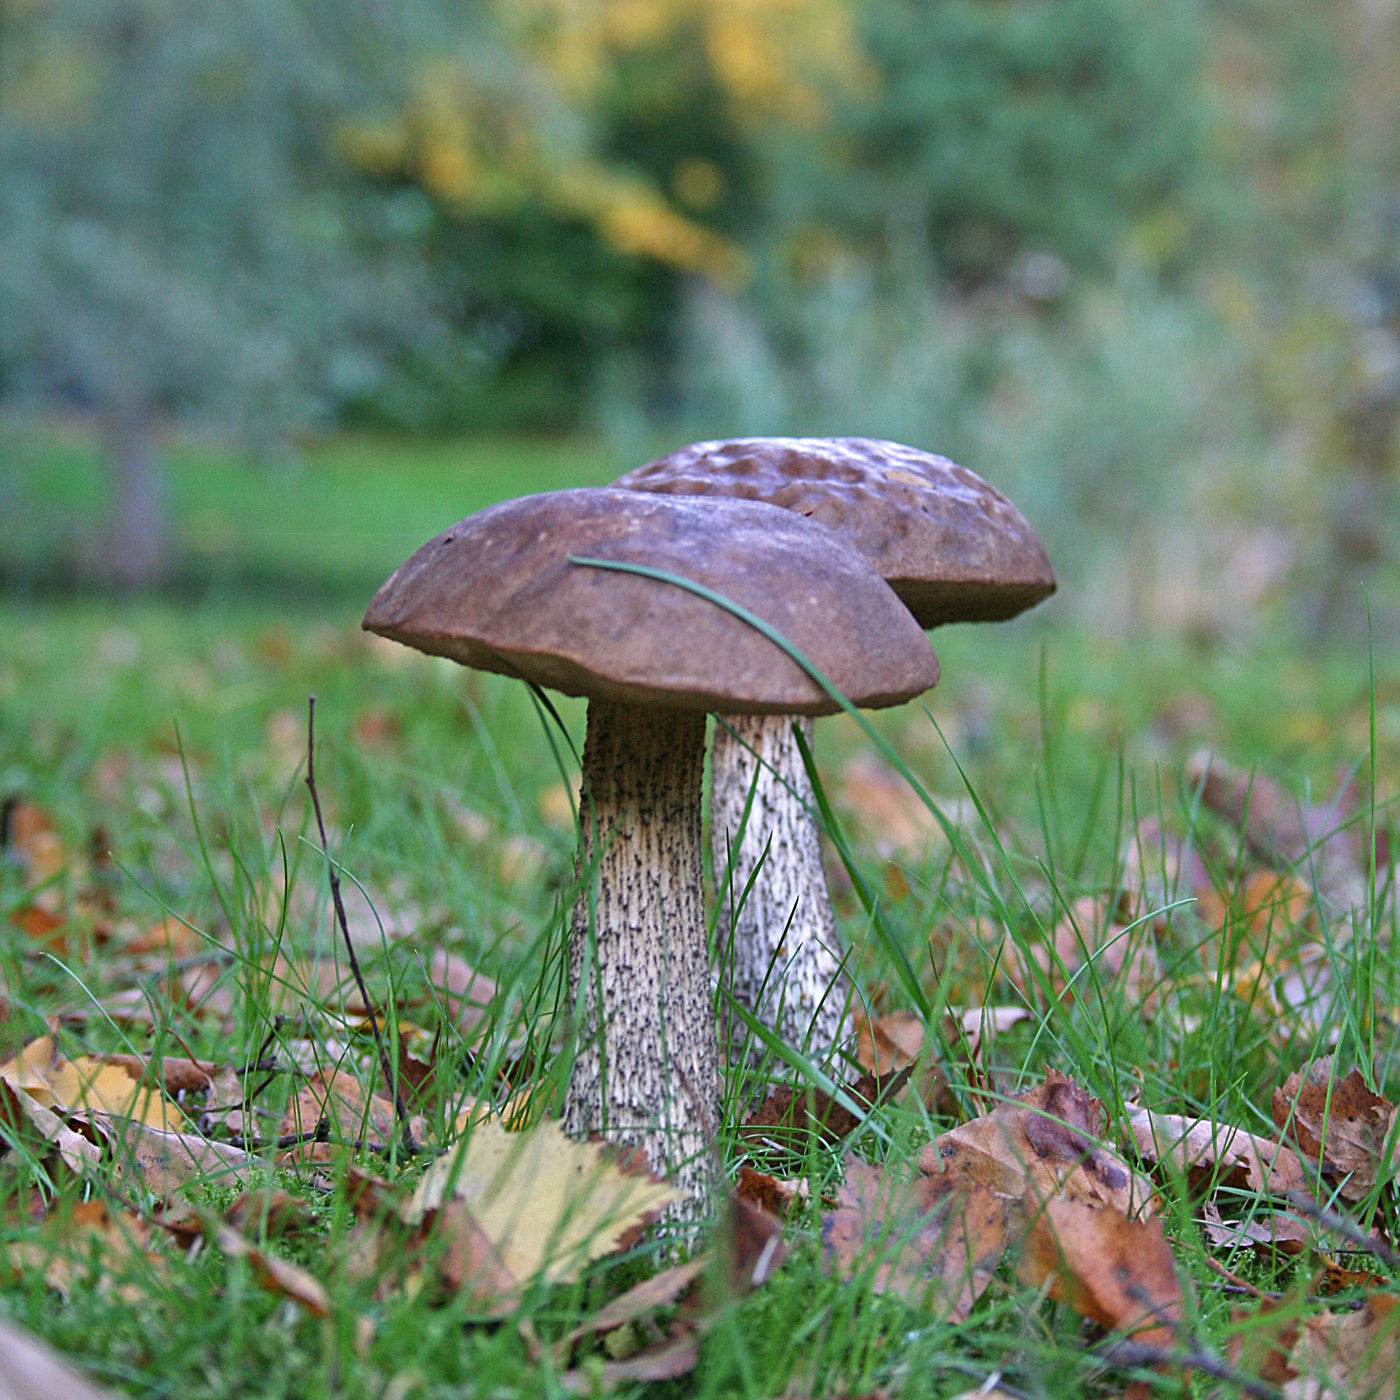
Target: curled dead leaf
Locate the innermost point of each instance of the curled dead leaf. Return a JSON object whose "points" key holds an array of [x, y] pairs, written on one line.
{"points": [[1048, 1140], [1211, 1155], [1340, 1124]]}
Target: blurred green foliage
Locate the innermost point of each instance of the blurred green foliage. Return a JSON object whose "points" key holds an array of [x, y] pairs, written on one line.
{"points": [[1122, 257]]}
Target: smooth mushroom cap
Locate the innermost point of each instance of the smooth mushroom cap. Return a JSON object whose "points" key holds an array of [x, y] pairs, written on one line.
{"points": [[952, 547], [498, 591]]}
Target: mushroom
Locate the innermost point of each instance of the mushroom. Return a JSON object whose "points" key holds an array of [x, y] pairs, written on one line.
{"points": [[955, 550], [503, 591]]}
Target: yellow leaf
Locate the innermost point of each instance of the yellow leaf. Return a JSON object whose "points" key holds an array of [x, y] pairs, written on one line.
{"points": [[87, 1083], [546, 1204]]}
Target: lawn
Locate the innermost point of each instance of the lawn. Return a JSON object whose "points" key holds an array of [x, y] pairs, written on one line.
{"points": [[166, 894]]}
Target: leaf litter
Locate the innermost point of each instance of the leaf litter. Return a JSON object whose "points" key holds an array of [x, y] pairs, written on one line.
{"points": [[1029, 1189]]}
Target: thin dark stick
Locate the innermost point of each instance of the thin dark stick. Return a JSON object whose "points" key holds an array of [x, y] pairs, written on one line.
{"points": [[1339, 1224], [409, 1146], [1129, 1353]]}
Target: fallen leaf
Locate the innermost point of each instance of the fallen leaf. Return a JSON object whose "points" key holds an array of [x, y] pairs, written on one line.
{"points": [[23, 1115], [1340, 1124], [1047, 1139], [40, 1071], [546, 1204], [887, 808], [163, 1162], [466, 993], [1097, 944], [767, 1192], [334, 1104], [1271, 1231], [1115, 1271], [677, 1356], [637, 1302], [978, 1026], [275, 1274], [90, 1246], [889, 1043], [170, 937], [751, 1242], [1324, 840], [1211, 1155], [1162, 865], [1348, 1356], [932, 1240], [789, 1115]]}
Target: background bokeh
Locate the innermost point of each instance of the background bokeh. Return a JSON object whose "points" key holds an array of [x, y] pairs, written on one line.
{"points": [[274, 273]]}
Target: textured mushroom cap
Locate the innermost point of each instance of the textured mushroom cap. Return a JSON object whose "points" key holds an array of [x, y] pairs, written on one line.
{"points": [[498, 591], [951, 546]]}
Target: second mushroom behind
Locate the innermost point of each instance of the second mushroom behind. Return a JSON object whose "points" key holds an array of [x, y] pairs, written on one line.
{"points": [[505, 590], [955, 550]]}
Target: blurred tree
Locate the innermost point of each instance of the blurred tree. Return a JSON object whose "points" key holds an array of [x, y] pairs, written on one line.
{"points": [[175, 237], [1036, 125]]}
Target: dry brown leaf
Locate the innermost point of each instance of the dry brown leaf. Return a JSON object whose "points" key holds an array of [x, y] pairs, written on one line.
{"points": [[767, 1192], [90, 1246], [889, 1043], [349, 1113], [1348, 1356], [789, 1115], [1271, 1231], [885, 807], [1096, 944], [934, 1241], [31, 1370], [24, 1116], [163, 1162], [466, 993], [1047, 1140], [677, 1356], [1260, 913], [978, 1026], [1215, 1154], [751, 1243], [1118, 1272], [1161, 865], [658, 1291], [276, 1275], [170, 937], [546, 1204], [1321, 839], [1262, 1339], [1340, 1124]]}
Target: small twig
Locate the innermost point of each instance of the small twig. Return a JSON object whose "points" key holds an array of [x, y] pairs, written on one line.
{"points": [[1235, 1283], [1130, 1353], [1340, 1224], [409, 1146]]}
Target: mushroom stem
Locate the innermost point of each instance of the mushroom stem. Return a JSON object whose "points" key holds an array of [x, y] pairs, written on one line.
{"points": [[781, 946], [647, 1066]]}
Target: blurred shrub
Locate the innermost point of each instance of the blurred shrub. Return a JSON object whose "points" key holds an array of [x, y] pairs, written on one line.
{"points": [[1044, 124]]}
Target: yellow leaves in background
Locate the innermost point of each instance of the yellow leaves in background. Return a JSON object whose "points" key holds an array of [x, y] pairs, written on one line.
{"points": [[483, 148], [771, 58]]}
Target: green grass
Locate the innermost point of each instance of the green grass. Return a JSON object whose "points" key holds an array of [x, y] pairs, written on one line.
{"points": [[340, 514], [175, 739]]}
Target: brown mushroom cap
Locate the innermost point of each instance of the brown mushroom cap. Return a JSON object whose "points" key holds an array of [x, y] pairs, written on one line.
{"points": [[952, 547], [498, 591]]}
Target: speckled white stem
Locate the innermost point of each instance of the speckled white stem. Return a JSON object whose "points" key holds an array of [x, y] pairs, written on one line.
{"points": [[647, 1069], [782, 953]]}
